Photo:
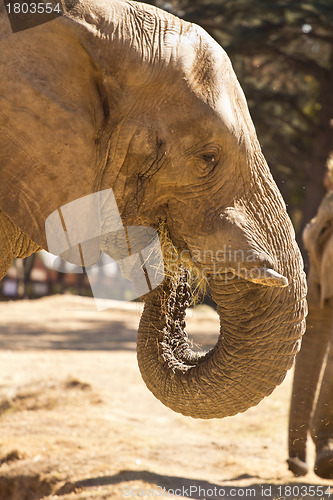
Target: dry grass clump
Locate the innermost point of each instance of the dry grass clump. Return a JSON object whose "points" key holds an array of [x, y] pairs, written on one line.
{"points": [[28, 401], [74, 383], [11, 456], [175, 263]]}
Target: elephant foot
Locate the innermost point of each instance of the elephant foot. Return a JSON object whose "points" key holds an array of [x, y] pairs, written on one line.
{"points": [[324, 463], [297, 466]]}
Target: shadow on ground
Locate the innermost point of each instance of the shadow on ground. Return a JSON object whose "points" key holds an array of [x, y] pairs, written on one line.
{"points": [[73, 323], [196, 489], [91, 335]]}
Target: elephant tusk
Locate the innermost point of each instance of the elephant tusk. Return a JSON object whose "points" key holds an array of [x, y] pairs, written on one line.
{"points": [[264, 276]]}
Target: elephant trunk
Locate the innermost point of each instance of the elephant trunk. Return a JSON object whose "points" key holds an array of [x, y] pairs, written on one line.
{"points": [[260, 335], [306, 381]]}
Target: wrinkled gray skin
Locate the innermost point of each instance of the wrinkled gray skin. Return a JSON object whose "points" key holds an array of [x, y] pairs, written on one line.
{"points": [[312, 396], [121, 95]]}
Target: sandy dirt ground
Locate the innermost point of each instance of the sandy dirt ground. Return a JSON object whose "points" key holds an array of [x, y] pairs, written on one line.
{"points": [[77, 421]]}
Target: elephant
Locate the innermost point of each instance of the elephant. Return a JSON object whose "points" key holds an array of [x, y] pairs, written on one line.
{"points": [[115, 94], [311, 407]]}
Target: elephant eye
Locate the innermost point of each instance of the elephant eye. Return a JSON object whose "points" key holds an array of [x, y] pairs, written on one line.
{"points": [[211, 160], [211, 157]]}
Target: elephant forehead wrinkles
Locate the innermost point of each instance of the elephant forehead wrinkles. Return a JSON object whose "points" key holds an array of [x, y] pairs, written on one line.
{"points": [[167, 45], [142, 36], [176, 45], [172, 56], [155, 37]]}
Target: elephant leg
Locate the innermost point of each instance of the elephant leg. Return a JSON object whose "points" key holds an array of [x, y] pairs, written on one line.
{"points": [[13, 243], [322, 426], [307, 372]]}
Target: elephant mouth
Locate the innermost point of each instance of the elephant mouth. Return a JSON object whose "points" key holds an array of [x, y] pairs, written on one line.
{"points": [[201, 272], [178, 262]]}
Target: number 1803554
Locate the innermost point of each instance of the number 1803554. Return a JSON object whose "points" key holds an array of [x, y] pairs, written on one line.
{"points": [[302, 490], [33, 8]]}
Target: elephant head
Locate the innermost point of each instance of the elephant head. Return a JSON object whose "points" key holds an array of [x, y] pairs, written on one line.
{"points": [[312, 396], [125, 96]]}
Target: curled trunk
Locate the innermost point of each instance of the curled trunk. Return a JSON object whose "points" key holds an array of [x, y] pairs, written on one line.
{"points": [[259, 337]]}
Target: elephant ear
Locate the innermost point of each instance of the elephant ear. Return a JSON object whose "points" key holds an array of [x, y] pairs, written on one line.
{"points": [[326, 272]]}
